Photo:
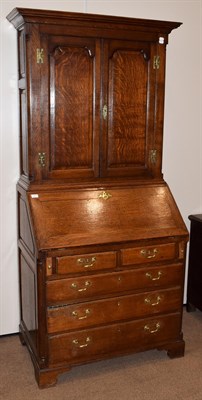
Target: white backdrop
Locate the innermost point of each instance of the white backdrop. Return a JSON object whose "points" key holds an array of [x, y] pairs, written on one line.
{"points": [[182, 130]]}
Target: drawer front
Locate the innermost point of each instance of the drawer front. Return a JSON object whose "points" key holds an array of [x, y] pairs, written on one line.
{"points": [[140, 255], [70, 289], [85, 262], [111, 310], [116, 339]]}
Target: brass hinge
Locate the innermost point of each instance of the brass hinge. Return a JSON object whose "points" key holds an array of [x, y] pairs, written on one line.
{"points": [[104, 112], [39, 56], [42, 159], [156, 62], [153, 156]]}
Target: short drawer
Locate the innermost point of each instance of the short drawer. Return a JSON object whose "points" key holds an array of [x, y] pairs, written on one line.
{"points": [[122, 308], [145, 254], [89, 344], [85, 262], [71, 289]]}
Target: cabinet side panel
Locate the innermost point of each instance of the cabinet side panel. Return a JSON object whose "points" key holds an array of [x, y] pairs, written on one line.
{"points": [[25, 232], [24, 164], [28, 297], [21, 57], [23, 133]]}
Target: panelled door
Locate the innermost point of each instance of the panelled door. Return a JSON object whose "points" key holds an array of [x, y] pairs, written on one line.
{"points": [[102, 102], [71, 90], [129, 120]]}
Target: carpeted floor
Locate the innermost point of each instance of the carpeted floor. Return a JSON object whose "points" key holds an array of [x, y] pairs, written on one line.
{"points": [[143, 376]]}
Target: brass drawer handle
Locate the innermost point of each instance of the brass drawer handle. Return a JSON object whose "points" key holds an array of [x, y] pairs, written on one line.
{"points": [[86, 313], [87, 262], [87, 342], [154, 278], [148, 300], [149, 253], [82, 289], [148, 328]]}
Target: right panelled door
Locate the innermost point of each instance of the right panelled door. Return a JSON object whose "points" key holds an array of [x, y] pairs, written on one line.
{"points": [[129, 109]]}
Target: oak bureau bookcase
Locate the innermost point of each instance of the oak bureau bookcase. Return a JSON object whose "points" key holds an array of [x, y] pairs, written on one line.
{"points": [[101, 241]]}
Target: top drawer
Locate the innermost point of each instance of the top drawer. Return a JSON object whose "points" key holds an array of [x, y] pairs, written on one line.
{"points": [[140, 255], [85, 262]]}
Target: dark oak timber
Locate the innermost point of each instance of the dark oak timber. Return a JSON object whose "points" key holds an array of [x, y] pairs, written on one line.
{"points": [[102, 244]]}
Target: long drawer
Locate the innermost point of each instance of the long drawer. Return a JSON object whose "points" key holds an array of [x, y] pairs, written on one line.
{"points": [[104, 341], [99, 312], [71, 289]]}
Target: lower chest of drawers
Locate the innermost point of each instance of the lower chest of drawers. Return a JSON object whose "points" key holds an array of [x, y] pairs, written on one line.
{"points": [[109, 303]]}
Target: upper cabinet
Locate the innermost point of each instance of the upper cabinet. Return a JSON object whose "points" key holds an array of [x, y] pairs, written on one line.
{"points": [[91, 95]]}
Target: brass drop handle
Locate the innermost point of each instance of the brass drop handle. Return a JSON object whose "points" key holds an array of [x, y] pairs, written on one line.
{"points": [[87, 262], [86, 313], [148, 328], [154, 278], [87, 342], [148, 300], [149, 253], [82, 289]]}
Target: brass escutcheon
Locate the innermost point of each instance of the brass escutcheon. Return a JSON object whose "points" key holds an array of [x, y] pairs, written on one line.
{"points": [[104, 195]]}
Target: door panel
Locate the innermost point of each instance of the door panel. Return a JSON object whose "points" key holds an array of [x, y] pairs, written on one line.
{"points": [[127, 114], [130, 94], [73, 96], [71, 93]]}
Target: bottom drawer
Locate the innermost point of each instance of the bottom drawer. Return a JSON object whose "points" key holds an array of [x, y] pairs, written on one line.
{"points": [[114, 339]]}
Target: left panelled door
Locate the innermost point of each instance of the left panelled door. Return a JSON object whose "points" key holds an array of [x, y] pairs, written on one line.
{"points": [[70, 93]]}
